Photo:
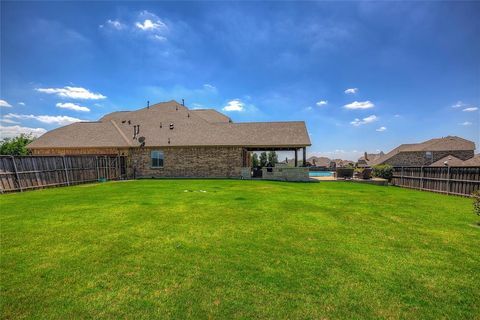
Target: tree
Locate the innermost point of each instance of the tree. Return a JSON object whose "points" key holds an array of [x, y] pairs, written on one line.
{"points": [[255, 162], [15, 146], [272, 158], [263, 159]]}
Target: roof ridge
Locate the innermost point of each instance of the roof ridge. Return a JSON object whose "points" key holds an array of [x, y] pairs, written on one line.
{"points": [[121, 132]]}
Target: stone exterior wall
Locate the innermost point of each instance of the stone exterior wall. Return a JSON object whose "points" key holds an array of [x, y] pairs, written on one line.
{"points": [[420, 159], [197, 162], [285, 173]]}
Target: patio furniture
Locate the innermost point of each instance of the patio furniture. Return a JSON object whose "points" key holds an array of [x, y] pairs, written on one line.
{"points": [[257, 172], [344, 173]]}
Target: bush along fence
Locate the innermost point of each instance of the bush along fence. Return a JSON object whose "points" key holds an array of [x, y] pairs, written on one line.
{"points": [[461, 181], [21, 173]]}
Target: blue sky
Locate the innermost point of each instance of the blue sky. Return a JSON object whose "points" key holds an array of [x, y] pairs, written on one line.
{"points": [[365, 76]]}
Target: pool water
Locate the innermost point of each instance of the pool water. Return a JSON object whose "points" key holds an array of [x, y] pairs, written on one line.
{"points": [[320, 174]]}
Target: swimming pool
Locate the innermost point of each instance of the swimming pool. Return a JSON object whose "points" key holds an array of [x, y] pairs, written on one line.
{"points": [[320, 174]]}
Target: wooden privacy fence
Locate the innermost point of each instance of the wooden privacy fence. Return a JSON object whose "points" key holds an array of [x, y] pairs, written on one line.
{"points": [[450, 180], [20, 173]]}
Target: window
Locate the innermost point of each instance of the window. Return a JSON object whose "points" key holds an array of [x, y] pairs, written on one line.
{"points": [[157, 159], [429, 156]]}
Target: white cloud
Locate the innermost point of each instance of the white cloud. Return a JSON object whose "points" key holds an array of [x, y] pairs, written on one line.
{"points": [[9, 121], [210, 87], [357, 122], [60, 120], [72, 106], [14, 131], [351, 91], [234, 105], [5, 104], [73, 93], [466, 123], [22, 103], [359, 105], [397, 116], [151, 25], [322, 103], [115, 24], [159, 38], [471, 109], [146, 23], [459, 104], [308, 108], [196, 106], [381, 129]]}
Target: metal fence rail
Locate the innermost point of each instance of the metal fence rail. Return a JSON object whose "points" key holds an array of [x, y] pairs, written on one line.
{"points": [[21, 173], [450, 180]]}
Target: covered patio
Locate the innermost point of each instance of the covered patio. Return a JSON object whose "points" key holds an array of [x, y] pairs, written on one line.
{"points": [[297, 172]]}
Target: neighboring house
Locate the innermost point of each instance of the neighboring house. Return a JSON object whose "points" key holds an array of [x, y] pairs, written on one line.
{"points": [[453, 161], [428, 152], [169, 140], [328, 163], [339, 163], [319, 161], [368, 158], [473, 162]]}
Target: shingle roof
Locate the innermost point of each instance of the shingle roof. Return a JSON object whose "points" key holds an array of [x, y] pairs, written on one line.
{"points": [[448, 160], [190, 128], [320, 161], [211, 115], [449, 143], [472, 162]]}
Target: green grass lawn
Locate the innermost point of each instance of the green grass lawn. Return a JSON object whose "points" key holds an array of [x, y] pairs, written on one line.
{"points": [[242, 249]]}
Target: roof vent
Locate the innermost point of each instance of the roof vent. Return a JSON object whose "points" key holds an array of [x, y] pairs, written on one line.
{"points": [[160, 125], [136, 130], [129, 122], [168, 140], [183, 102], [171, 126], [148, 104], [123, 121]]}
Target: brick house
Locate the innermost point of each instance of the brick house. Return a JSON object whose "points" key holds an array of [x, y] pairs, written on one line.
{"points": [[169, 140], [428, 152], [368, 158]]}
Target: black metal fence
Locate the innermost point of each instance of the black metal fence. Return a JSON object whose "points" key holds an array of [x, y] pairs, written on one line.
{"points": [[450, 180], [21, 173]]}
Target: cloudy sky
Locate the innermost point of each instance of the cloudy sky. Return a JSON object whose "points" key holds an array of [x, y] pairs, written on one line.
{"points": [[364, 76]]}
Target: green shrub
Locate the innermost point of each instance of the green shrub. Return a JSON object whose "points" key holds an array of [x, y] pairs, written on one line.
{"points": [[15, 146], [383, 171], [476, 202]]}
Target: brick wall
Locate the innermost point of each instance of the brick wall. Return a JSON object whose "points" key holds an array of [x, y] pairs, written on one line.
{"points": [[209, 162], [420, 159]]}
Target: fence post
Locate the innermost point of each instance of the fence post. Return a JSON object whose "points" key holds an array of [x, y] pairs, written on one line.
{"points": [[421, 178], [401, 177], [66, 171], [96, 165], [16, 174], [448, 180], [118, 167]]}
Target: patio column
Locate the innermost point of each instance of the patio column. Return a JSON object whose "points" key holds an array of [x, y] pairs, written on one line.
{"points": [[304, 156], [296, 157]]}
